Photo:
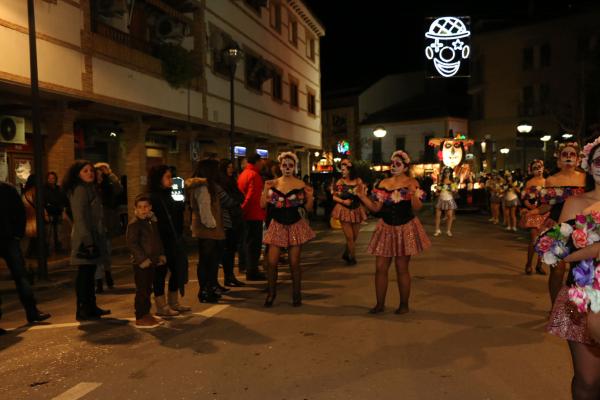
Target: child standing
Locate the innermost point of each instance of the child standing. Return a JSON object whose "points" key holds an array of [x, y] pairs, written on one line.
{"points": [[147, 253]]}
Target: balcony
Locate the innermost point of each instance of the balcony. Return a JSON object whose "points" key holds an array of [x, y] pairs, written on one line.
{"points": [[121, 37]]}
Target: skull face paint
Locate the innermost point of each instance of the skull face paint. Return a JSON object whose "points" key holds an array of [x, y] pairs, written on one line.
{"points": [[568, 157], [537, 169], [288, 167], [397, 167], [449, 46], [452, 153], [595, 166]]}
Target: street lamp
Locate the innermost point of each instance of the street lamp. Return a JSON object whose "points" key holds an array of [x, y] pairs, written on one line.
{"points": [[379, 133], [524, 128], [232, 54], [567, 135], [545, 139], [504, 150]]}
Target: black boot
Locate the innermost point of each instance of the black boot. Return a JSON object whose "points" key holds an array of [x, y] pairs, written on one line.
{"points": [[109, 280], [232, 281], [208, 296]]}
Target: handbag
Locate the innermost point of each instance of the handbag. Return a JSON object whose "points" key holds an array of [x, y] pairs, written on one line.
{"points": [[88, 252]]}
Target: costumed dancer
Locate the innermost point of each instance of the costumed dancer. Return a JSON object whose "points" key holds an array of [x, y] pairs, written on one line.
{"points": [[286, 195], [559, 187], [399, 233], [494, 187], [531, 218], [348, 209], [576, 240], [446, 190], [510, 201]]}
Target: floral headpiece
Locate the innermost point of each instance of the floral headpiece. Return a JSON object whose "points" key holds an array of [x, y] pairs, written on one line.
{"points": [[562, 146], [585, 153], [289, 154], [401, 154]]}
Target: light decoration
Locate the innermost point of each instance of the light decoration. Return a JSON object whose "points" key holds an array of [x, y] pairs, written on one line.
{"points": [[446, 46], [451, 148], [504, 150], [545, 138], [343, 147], [379, 132], [567, 135]]}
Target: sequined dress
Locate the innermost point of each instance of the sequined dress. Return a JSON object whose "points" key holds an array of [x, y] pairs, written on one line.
{"points": [[399, 232], [287, 228], [530, 220], [446, 197], [355, 212]]}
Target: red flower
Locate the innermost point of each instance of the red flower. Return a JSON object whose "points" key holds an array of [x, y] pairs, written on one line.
{"points": [[579, 237], [544, 244]]}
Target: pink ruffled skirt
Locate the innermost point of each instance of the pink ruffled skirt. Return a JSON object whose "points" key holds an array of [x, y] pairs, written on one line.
{"points": [[352, 216], [281, 235], [565, 322], [399, 240]]}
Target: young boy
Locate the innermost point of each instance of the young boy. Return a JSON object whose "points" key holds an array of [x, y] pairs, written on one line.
{"points": [[147, 252]]}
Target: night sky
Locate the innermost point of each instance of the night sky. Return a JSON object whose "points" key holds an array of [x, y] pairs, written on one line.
{"points": [[366, 40]]}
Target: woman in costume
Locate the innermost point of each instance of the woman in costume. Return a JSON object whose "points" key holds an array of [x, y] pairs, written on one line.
{"points": [[494, 186], [286, 195], [399, 233], [581, 218], [566, 183], [531, 218], [348, 209], [510, 201], [445, 189]]}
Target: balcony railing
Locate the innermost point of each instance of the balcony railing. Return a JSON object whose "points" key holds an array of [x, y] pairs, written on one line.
{"points": [[122, 37]]}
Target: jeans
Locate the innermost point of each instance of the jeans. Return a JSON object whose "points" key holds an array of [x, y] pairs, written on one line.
{"points": [[85, 288], [10, 250], [53, 231], [229, 248], [208, 264], [253, 245], [144, 278]]}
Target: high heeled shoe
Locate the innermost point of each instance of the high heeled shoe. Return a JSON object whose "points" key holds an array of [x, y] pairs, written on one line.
{"points": [[270, 299]]}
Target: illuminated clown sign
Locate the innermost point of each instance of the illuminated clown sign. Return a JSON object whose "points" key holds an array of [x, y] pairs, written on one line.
{"points": [[447, 42]]}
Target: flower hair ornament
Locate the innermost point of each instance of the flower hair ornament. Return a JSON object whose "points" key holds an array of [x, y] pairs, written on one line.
{"points": [[585, 153], [401, 154], [290, 155]]}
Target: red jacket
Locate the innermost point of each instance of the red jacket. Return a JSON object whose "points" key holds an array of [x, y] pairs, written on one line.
{"points": [[251, 185]]}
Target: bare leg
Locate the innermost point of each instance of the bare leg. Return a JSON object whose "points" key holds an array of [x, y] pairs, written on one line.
{"points": [[403, 276], [586, 367], [355, 231], [495, 212], [294, 254], [513, 217], [438, 217], [530, 250], [556, 280], [450, 220], [349, 234], [382, 264]]}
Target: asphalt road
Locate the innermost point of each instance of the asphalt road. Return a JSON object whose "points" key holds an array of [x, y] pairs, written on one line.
{"points": [[476, 331]]}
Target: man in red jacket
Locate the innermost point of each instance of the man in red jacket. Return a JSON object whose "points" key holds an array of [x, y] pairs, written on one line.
{"points": [[251, 185]]}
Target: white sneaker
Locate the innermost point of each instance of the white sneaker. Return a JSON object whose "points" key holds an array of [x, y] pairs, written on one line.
{"points": [[449, 233], [508, 228], [437, 233], [514, 228]]}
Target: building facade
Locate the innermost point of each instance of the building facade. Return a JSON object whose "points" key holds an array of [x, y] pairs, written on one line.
{"points": [[534, 74], [146, 82]]}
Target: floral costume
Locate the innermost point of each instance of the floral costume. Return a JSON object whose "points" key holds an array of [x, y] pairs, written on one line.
{"points": [[287, 228], [399, 232], [354, 213]]}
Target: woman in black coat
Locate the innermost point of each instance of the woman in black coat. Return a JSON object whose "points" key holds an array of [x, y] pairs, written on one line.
{"points": [[169, 214]]}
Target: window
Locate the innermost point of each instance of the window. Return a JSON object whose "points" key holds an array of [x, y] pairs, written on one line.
{"points": [[293, 31], [545, 55], [294, 103], [277, 88], [311, 103], [253, 72], [275, 15], [310, 48], [377, 153], [219, 63], [527, 58], [400, 143]]}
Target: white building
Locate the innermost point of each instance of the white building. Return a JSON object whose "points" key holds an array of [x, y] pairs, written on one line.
{"points": [[103, 69]]}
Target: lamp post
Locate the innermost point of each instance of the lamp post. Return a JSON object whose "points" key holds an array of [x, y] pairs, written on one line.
{"points": [[379, 133], [524, 128], [232, 55], [504, 151], [38, 145], [545, 139]]}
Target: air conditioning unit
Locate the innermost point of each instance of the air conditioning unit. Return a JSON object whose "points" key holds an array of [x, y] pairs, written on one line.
{"points": [[111, 8], [12, 130], [167, 29]]}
